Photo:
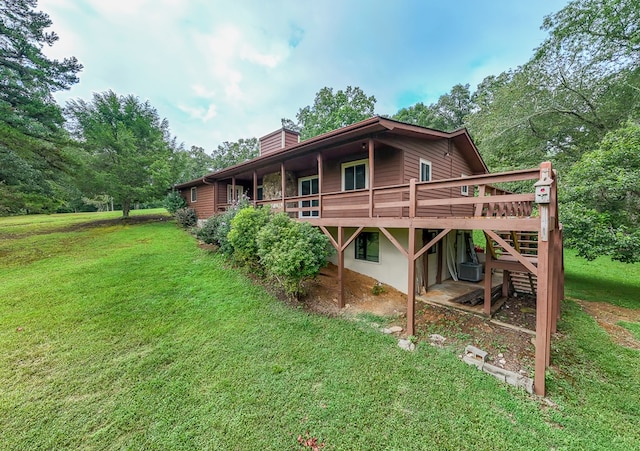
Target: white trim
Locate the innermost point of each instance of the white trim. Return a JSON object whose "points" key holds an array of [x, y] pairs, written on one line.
{"points": [[428, 164], [464, 189], [300, 213], [194, 190], [239, 192], [349, 164]]}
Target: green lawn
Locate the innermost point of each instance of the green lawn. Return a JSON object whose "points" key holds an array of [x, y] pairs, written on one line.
{"points": [[602, 280], [130, 336]]}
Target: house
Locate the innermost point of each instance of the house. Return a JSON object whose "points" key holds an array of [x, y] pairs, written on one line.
{"points": [[399, 202]]}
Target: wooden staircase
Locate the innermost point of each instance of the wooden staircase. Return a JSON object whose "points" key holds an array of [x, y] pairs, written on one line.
{"points": [[526, 243]]}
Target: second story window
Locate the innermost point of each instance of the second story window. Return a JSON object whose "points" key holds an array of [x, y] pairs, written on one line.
{"points": [[355, 175], [425, 170], [464, 190], [194, 194]]}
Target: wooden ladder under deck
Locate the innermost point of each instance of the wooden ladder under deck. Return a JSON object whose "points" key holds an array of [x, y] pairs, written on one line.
{"points": [[526, 243]]}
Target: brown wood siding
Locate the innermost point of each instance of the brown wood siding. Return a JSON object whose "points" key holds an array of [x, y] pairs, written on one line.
{"points": [[290, 138], [387, 166], [443, 166], [204, 200], [270, 143]]}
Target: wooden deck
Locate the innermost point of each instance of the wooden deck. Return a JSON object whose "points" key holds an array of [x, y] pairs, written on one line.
{"points": [[441, 205]]}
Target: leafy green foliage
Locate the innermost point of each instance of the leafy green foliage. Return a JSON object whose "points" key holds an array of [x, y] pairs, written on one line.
{"points": [[230, 153], [448, 113], [292, 251], [216, 229], [608, 29], [245, 226], [332, 111], [35, 157], [602, 198], [130, 146], [174, 201], [191, 164], [186, 217], [207, 233]]}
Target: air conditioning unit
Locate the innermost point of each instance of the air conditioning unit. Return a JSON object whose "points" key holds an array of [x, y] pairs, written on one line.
{"points": [[469, 271]]}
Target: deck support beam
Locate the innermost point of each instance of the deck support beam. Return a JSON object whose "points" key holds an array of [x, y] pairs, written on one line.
{"points": [[341, 245], [371, 177], [283, 186], [255, 188], [411, 283], [544, 298]]}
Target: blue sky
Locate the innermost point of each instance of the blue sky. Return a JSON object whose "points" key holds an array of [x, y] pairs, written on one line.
{"points": [[225, 70]]}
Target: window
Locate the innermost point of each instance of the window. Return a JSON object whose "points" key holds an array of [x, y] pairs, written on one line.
{"points": [[259, 192], [355, 175], [464, 190], [194, 194], [308, 186], [425, 170], [367, 245], [230, 197]]}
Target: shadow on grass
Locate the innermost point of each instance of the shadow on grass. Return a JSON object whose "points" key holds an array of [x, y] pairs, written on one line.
{"points": [[589, 288]]}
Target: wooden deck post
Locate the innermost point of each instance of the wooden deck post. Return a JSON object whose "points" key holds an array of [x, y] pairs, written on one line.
{"points": [[371, 177], [255, 188], [319, 159], [283, 185], [411, 282], [233, 189], [543, 304], [506, 280], [340, 267], [412, 198], [487, 281]]}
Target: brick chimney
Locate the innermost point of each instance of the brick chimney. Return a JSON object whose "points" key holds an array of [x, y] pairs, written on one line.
{"points": [[278, 140]]}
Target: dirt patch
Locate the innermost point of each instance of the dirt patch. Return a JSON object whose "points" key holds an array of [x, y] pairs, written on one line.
{"points": [[322, 295], [608, 316], [131, 220]]}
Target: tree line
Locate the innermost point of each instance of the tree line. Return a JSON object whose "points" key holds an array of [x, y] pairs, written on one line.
{"points": [[576, 102]]}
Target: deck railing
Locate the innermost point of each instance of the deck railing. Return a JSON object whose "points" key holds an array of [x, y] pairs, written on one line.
{"points": [[438, 198]]}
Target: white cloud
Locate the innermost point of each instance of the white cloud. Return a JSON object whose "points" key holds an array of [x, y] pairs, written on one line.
{"points": [[205, 115], [224, 71]]}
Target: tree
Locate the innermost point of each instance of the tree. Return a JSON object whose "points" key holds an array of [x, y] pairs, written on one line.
{"points": [[35, 153], [192, 164], [230, 153], [332, 111], [418, 114], [607, 30], [130, 147], [601, 201], [447, 114]]}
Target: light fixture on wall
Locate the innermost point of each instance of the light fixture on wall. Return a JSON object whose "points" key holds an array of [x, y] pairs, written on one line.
{"points": [[449, 149]]}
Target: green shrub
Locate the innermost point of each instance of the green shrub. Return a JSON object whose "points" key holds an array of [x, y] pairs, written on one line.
{"points": [[292, 252], [173, 202], [186, 217], [207, 232], [217, 227], [245, 226]]}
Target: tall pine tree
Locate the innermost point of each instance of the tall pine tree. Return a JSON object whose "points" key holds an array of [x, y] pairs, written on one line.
{"points": [[33, 153]]}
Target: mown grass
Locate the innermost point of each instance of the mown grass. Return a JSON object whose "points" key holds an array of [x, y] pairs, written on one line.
{"points": [[129, 336], [602, 280]]}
